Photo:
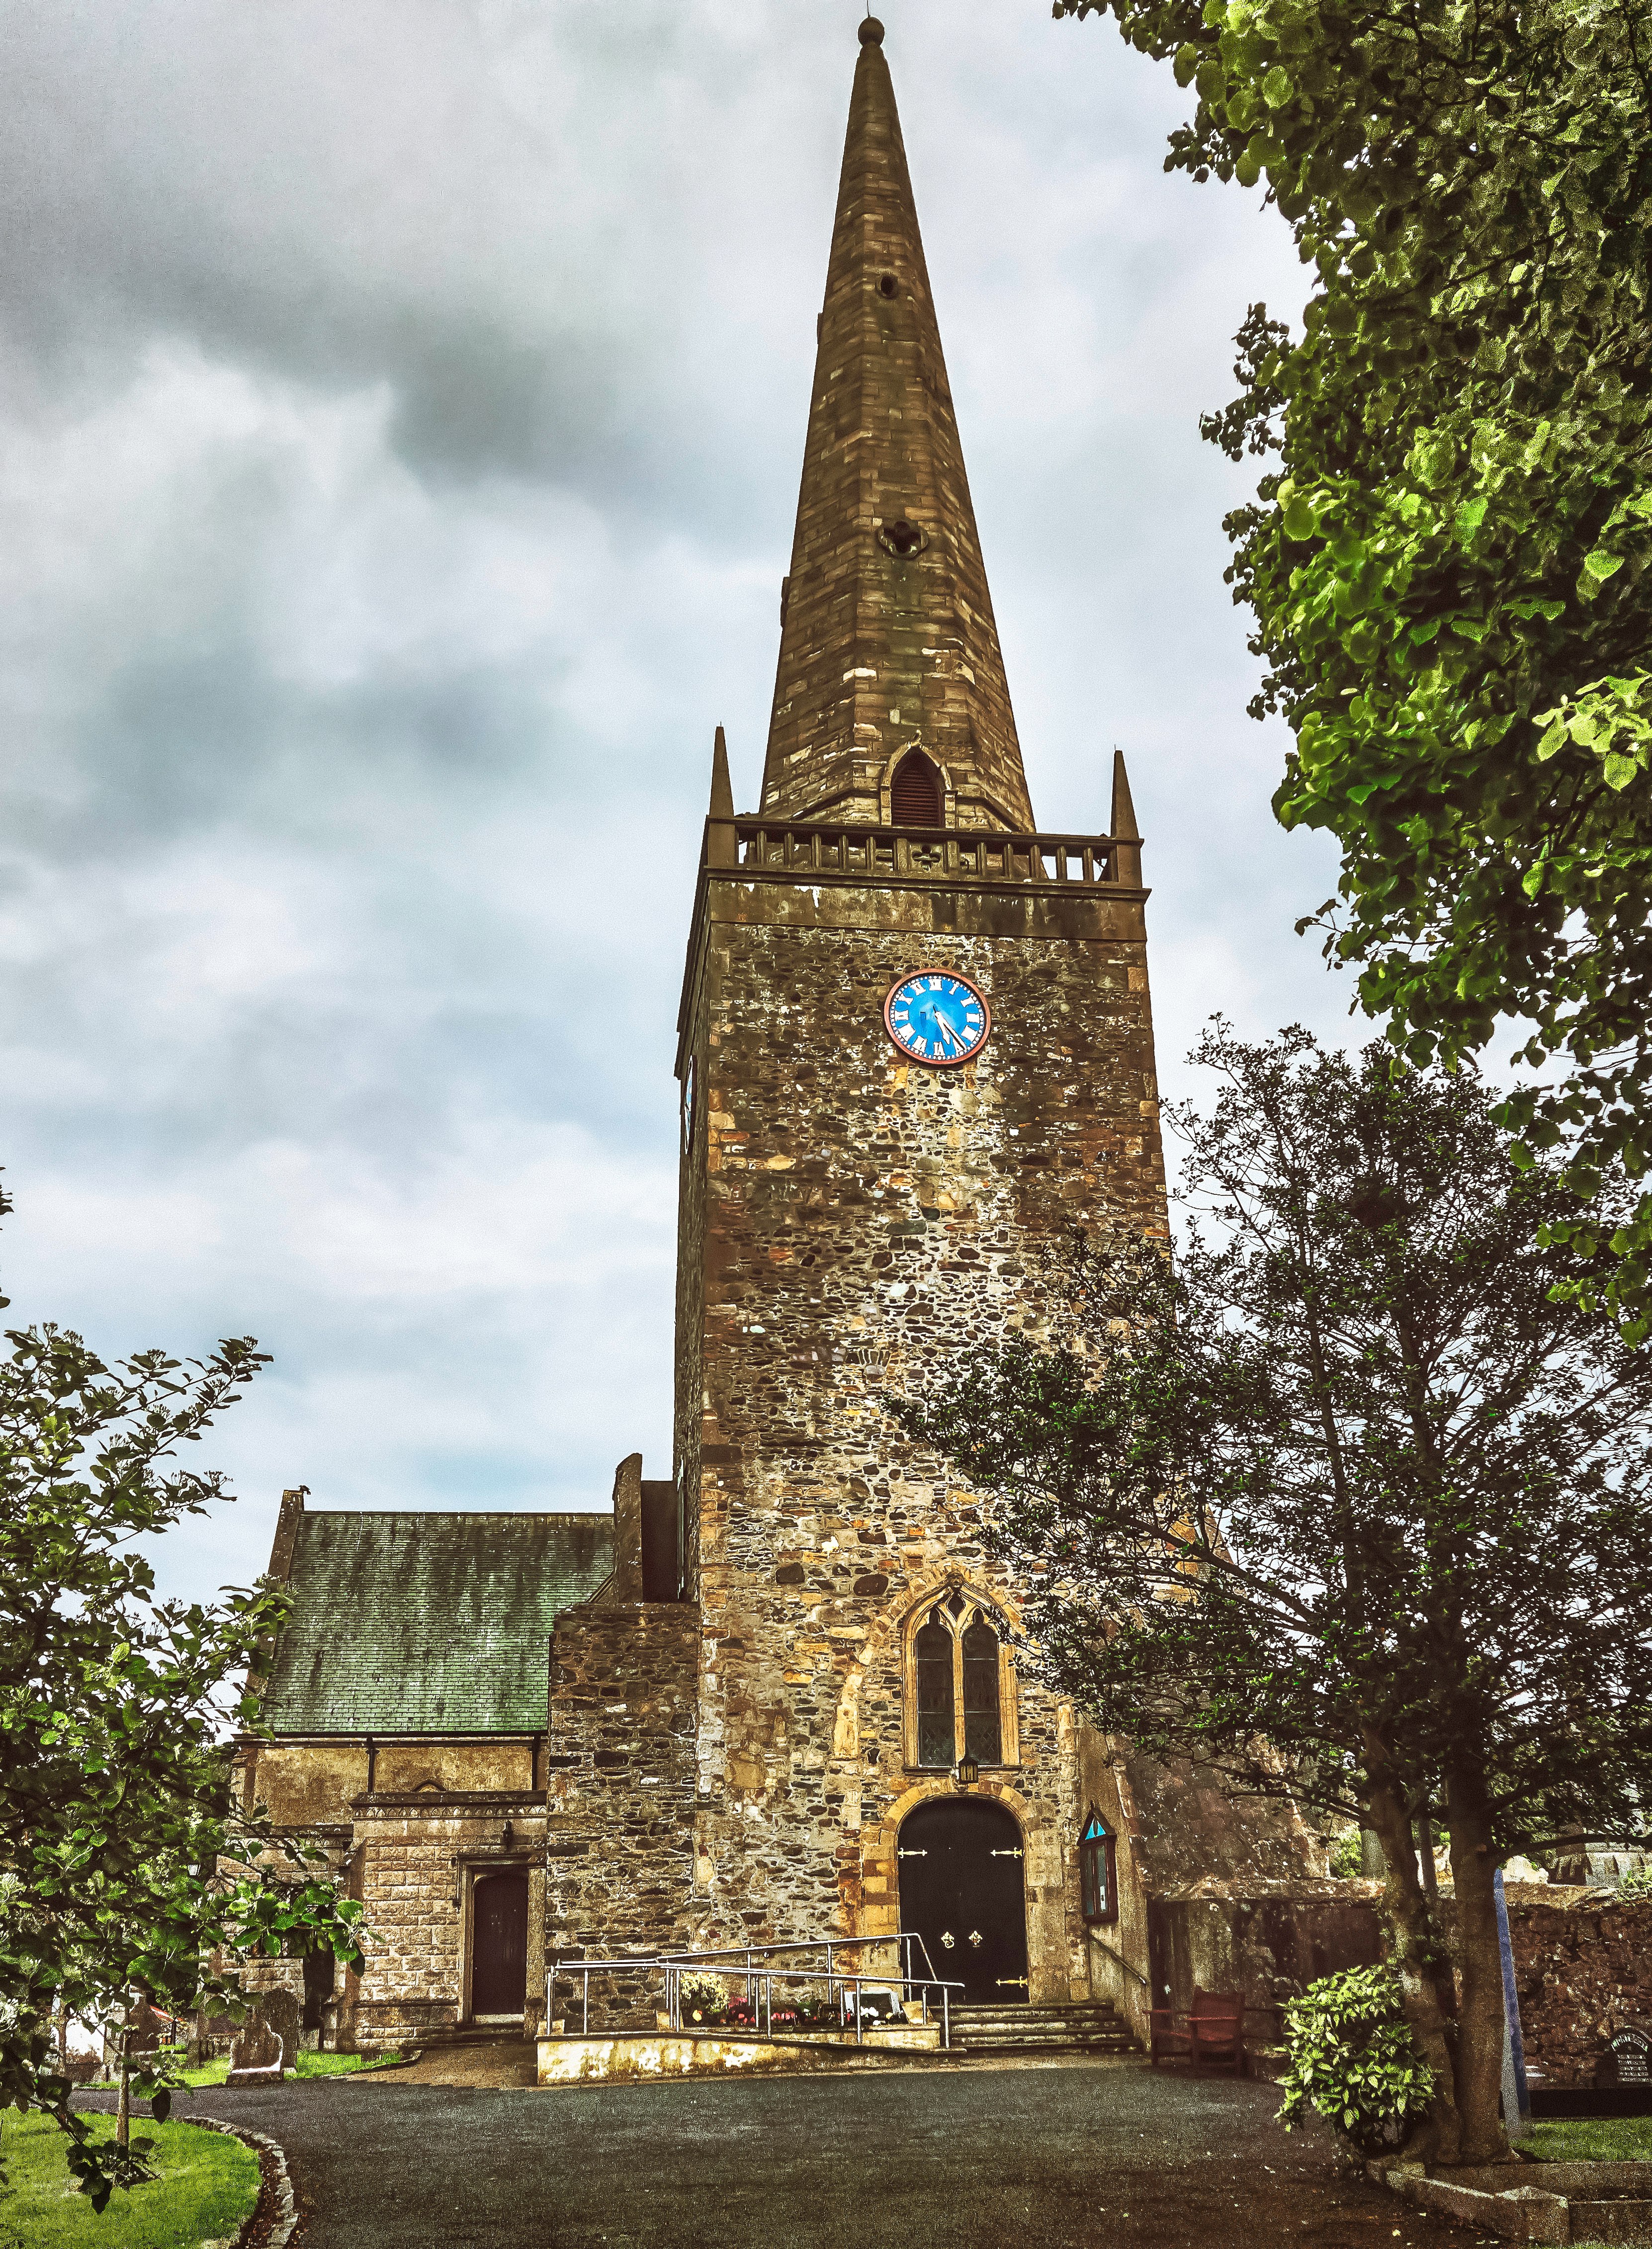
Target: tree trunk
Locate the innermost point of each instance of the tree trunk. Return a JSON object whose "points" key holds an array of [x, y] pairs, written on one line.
{"points": [[1425, 1852], [123, 2105], [1480, 2019], [1417, 1955]]}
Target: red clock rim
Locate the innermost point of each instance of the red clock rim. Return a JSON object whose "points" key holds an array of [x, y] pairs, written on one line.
{"points": [[945, 1061]]}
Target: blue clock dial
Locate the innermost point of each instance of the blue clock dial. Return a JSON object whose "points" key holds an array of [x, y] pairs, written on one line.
{"points": [[937, 1018]]}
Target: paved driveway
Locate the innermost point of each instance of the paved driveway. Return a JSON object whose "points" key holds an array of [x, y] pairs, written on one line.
{"points": [[1056, 2155]]}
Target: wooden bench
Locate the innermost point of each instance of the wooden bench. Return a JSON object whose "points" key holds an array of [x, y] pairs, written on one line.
{"points": [[1211, 2033]]}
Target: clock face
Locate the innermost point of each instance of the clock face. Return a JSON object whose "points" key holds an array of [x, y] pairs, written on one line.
{"points": [[937, 1018]]}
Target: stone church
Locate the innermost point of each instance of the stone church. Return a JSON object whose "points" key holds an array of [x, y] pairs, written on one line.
{"points": [[915, 1048]]}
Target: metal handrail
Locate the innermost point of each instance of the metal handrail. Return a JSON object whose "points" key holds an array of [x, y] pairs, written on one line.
{"points": [[1102, 1945], [905, 1937], [741, 1955], [740, 1960]]}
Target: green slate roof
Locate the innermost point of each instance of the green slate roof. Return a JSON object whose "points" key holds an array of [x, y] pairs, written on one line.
{"points": [[428, 1623]]}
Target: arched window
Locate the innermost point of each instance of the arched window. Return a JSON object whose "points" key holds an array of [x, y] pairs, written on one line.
{"points": [[960, 1687], [981, 1730], [937, 1734], [1098, 1870], [915, 793]]}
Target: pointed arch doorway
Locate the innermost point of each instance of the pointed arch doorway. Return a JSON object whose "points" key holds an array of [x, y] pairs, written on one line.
{"points": [[963, 1892]]}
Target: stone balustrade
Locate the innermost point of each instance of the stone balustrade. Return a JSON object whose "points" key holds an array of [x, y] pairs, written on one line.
{"points": [[851, 849]]}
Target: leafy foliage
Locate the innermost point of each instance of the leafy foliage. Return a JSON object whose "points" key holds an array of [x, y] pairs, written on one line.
{"points": [[1447, 570], [127, 1860], [702, 1995], [1637, 1883], [1353, 2059], [1347, 1860], [1348, 1505], [1410, 1488]]}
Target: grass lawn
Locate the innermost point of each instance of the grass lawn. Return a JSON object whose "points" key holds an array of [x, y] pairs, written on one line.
{"points": [[1590, 2140], [207, 2186], [303, 2065]]}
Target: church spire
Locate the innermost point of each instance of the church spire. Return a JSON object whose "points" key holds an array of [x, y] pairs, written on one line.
{"points": [[888, 642]]}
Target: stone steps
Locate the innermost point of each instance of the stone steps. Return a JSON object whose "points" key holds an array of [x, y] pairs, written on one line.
{"points": [[445, 2036], [1072, 2029]]}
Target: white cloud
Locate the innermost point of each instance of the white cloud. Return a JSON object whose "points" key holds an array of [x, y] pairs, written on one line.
{"points": [[401, 411]]}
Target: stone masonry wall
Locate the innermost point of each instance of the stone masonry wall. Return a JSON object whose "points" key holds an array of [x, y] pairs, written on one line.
{"points": [[416, 1860], [867, 1790], [1582, 1964], [311, 1784], [861, 1220], [1583, 1970], [1267, 1942], [620, 1848], [1117, 1951], [1193, 1830]]}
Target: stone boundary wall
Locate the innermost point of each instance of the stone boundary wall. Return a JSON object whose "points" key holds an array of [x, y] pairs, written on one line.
{"points": [[1582, 1968], [1582, 1960], [1268, 1945]]}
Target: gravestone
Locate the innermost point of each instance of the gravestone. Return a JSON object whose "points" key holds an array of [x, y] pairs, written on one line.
{"points": [[283, 2012], [256, 2056], [1627, 2054], [147, 2030], [213, 2035]]}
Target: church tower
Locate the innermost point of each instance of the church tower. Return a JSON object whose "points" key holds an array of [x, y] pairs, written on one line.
{"points": [[916, 1049], [783, 1701]]}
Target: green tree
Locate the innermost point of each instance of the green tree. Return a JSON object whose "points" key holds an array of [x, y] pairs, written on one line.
{"points": [[1348, 1505], [1447, 569], [126, 1860]]}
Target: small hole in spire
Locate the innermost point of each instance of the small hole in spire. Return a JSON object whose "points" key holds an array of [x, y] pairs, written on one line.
{"points": [[902, 538], [887, 285]]}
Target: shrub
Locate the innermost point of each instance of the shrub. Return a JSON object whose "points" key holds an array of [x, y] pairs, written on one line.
{"points": [[1347, 1860], [1353, 2059], [1637, 1883], [704, 1997]]}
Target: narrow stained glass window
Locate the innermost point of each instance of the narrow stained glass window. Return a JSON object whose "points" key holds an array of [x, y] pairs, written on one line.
{"points": [[1096, 1873], [982, 1732], [933, 1648]]}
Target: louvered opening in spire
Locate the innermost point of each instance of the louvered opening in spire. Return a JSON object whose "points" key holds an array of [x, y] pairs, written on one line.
{"points": [[888, 634], [915, 793]]}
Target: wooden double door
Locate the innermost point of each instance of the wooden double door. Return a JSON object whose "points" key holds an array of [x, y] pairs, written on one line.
{"points": [[963, 1891]]}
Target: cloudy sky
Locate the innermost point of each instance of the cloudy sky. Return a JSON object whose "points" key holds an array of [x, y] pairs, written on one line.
{"points": [[403, 404]]}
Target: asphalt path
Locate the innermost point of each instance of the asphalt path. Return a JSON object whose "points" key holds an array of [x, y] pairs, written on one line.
{"points": [[979, 2158]]}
